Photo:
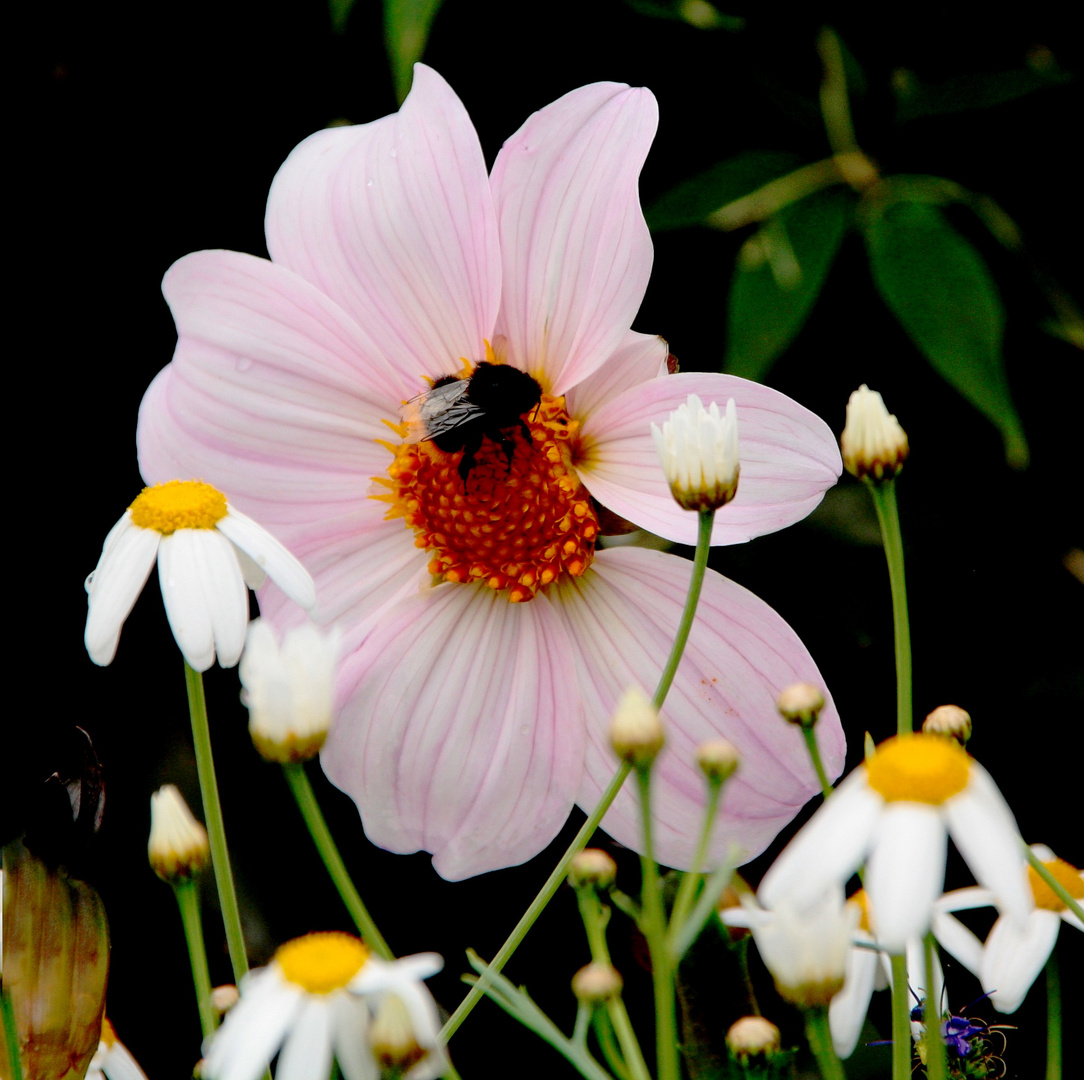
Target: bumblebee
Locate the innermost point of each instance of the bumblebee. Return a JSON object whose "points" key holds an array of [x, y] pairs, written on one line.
{"points": [[456, 414]]}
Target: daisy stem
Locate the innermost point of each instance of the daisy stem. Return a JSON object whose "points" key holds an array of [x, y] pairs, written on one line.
{"points": [[888, 515], [11, 1037], [653, 924], [936, 1059], [690, 880], [700, 564], [901, 1020], [545, 894], [1059, 890], [305, 797], [1053, 1019], [187, 894], [216, 831], [820, 1042], [809, 733]]}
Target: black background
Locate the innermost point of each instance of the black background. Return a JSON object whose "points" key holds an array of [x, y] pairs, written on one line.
{"points": [[155, 130]]}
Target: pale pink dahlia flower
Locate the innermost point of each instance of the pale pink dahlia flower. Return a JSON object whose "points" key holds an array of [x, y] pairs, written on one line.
{"points": [[467, 725]]}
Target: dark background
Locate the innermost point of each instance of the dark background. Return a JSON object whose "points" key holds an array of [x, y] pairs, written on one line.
{"points": [[155, 130]]}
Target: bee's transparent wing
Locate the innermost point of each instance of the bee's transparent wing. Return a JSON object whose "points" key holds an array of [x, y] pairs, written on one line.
{"points": [[438, 411]]}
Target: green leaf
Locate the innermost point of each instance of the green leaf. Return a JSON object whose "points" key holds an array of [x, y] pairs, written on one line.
{"points": [[980, 90], [694, 199], [340, 14], [780, 272], [406, 32], [939, 288]]}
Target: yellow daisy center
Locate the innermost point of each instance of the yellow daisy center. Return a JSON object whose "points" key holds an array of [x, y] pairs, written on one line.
{"points": [[322, 962], [1066, 875], [862, 901], [918, 768], [515, 525], [108, 1035], [178, 504]]}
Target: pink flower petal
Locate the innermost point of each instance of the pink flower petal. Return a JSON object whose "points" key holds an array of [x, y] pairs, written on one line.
{"points": [[394, 221], [576, 250], [638, 359], [789, 458], [622, 617], [462, 733]]}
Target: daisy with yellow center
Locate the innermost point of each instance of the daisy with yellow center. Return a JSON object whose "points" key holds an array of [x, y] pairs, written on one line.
{"points": [[314, 1003], [453, 532], [895, 813], [207, 554], [1013, 955]]}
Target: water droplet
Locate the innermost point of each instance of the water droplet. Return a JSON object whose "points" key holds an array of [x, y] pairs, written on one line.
{"points": [[394, 152], [89, 583], [244, 363], [369, 182]]}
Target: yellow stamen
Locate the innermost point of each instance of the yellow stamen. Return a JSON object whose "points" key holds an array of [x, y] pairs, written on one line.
{"points": [[179, 504], [1066, 875], [322, 962], [921, 768], [514, 526]]}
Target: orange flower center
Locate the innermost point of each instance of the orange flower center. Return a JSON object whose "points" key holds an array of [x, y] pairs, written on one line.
{"points": [[515, 525], [1066, 875]]}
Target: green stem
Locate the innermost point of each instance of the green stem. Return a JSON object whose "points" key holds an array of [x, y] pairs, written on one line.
{"points": [[1053, 1019], [187, 894], [810, 735], [653, 925], [820, 1042], [888, 515], [901, 1021], [835, 108], [700, 564], [686, 893], [626, 1039], [545, 894], [604, 1032], [1062, 893], [936, 1057], [560, 871], [216, 832], [11, 1037], [305, 797]]}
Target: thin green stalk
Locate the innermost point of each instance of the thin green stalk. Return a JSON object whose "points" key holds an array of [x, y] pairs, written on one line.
{"points": [[630, 1045], [1062, 893], [216, 832], [888, 515], [653, 925], [545, 894], [690, 880], [936, 1058], [835, 107], [810, 735], [588, 828], [1053, 1019], [305, 797], [700, 564], [187, 894], [819, 1037], [901, 1021], [11, 1037], [604, 1033]]}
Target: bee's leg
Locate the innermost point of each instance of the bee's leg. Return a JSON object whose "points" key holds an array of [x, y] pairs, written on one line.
{"points": [[471, 445]]}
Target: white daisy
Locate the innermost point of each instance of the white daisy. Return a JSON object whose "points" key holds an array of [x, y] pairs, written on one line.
{"points": [[1013, 955], [207, 553], [315, 1001], [113, 1060], [869, 968], [805, 946], [897, 810], [289, 688]]}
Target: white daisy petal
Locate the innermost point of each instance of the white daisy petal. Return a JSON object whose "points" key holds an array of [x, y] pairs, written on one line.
{"points": [[179, 566], [952, 935], [906, 871], [350, 1037], [271, 557], [254, 1029], [306, 1053], [1013, 958], [847, 1011]]}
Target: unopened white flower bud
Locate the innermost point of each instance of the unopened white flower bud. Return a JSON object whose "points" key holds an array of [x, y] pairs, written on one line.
{"points": [[950, 721], [698, 449], [753, 1040], [289, 689], [224, 997], [592, 866], [178, 848], [718, 759], [801, 704], [636, 733], [597, 982], [873, 443]]}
